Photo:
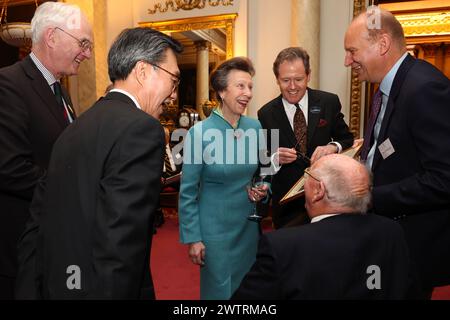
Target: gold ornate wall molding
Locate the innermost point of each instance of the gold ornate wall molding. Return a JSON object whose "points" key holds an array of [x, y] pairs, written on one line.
{"points": [[187, 5], [356, 87], [225, 21], [427, 27]]}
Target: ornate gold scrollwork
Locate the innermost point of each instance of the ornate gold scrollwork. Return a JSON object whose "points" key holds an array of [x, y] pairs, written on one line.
{"points": [[356, 87], [187, 5], [210, 22]]}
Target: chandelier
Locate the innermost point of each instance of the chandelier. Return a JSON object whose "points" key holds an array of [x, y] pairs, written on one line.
{"points": [[188, 5], [17, 34]]}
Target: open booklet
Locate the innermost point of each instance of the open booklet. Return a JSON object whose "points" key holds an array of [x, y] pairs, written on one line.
{"points": [[298, 190], [171, 179]]}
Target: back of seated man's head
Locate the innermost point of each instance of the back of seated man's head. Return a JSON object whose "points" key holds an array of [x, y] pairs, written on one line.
{"points": [[337, 184]]}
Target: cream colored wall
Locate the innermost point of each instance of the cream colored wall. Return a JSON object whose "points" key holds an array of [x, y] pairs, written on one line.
{"points": [[269, 31], [334, 76]]}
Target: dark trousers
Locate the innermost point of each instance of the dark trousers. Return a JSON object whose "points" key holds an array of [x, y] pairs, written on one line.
{"points": [[7, 288]]}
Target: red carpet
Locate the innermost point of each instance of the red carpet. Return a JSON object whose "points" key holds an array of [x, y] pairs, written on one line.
{"points": [[176, 278]]}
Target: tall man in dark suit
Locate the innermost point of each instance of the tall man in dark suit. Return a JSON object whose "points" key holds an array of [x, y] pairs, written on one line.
{"points": [[310, 125], [32, 118], [342, 254], [91, 227], [407, 150]]}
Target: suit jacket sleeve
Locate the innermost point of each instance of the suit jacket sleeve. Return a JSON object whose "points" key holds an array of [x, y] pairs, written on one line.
{"points": [[129, 195], [429, 126], [262, 281], [18, 171], [189, 211], [29, 275]]}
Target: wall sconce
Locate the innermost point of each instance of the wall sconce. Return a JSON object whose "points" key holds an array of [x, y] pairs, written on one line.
{"points": [[188, 5]]}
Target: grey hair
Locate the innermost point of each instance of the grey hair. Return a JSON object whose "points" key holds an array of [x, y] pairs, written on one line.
{"points": [[219, 77], [339, 188], [55, 14], [138, 44]]}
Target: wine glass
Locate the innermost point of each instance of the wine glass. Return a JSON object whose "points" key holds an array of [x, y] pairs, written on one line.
{"points": [[257, 182]]}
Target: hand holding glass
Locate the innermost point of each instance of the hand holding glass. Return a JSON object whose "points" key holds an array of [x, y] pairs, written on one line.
{"points": [[256, 190]]}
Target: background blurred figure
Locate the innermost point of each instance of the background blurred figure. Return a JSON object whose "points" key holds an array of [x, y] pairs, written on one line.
{"points": [[34, 110], [406, 147], [341, 254], [214, 204], [91, 228], [310, 125]]}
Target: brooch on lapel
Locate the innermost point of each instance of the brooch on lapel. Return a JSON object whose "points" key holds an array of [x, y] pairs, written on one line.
{"points": [[322, 123]]}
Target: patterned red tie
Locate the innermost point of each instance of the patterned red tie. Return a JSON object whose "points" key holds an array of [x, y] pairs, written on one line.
{"points": [[300, 128], [368, 134]]}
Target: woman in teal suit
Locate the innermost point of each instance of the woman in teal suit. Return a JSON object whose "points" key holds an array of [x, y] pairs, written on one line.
{"points": [[220, 159]]}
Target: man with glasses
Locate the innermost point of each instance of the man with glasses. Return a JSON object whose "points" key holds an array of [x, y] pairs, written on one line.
{"points": [[310, 124], [34, 110], [92, 220], [342, 254]]}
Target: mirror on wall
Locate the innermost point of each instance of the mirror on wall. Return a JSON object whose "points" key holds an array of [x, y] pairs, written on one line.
{"points": [[207, 42]]}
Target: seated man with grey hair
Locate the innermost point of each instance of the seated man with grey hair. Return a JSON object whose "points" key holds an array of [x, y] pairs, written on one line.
{"points": [[343, 254]]}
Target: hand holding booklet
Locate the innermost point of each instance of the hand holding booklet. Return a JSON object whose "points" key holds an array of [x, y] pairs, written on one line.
{"points": [[298, 190]]}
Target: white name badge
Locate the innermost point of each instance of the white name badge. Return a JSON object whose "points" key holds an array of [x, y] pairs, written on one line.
{"points": [[386, 148]]}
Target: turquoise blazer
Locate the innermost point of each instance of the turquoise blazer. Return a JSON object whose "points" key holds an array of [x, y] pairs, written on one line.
{"points": [[218, 163]]}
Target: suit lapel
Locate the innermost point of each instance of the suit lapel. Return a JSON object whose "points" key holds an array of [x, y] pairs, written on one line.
{"points": [[282, 121], [314, 112], [43, 90], [395, 90]]}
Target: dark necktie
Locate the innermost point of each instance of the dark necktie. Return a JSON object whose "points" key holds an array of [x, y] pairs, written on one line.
{"points": [[368, 134], [59, 99], [300, 128]]}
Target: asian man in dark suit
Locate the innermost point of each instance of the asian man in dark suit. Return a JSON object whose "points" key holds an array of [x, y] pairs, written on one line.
{"points": [[407, 149], [31, 119], [91, 224], [313, 129], [342, 254]]}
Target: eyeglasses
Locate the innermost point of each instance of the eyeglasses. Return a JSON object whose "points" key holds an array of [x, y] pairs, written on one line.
{"points": [[84, 44], [307, 171], [176, 81]]}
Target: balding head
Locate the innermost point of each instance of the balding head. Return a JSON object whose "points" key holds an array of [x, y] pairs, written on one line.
{"points": [[346, 185], [374, 42], [378, 21]]}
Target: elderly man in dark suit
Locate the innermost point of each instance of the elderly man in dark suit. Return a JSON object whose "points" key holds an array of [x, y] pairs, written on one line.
{"points": [[406, 145], [33, 113], [91, 228], [310, 125], [342, 254]]}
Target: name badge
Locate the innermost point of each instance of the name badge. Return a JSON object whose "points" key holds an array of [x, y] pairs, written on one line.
{"points": [[314, 109], [386, 148]]}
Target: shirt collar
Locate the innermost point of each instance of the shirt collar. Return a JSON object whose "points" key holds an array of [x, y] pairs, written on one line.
{"points": [[303, 103], [386, 84], [49, 77], [323, 216], [129, 95]]}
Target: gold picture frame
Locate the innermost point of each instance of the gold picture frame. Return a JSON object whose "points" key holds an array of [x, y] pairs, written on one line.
{"points": [[225, 21]]}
